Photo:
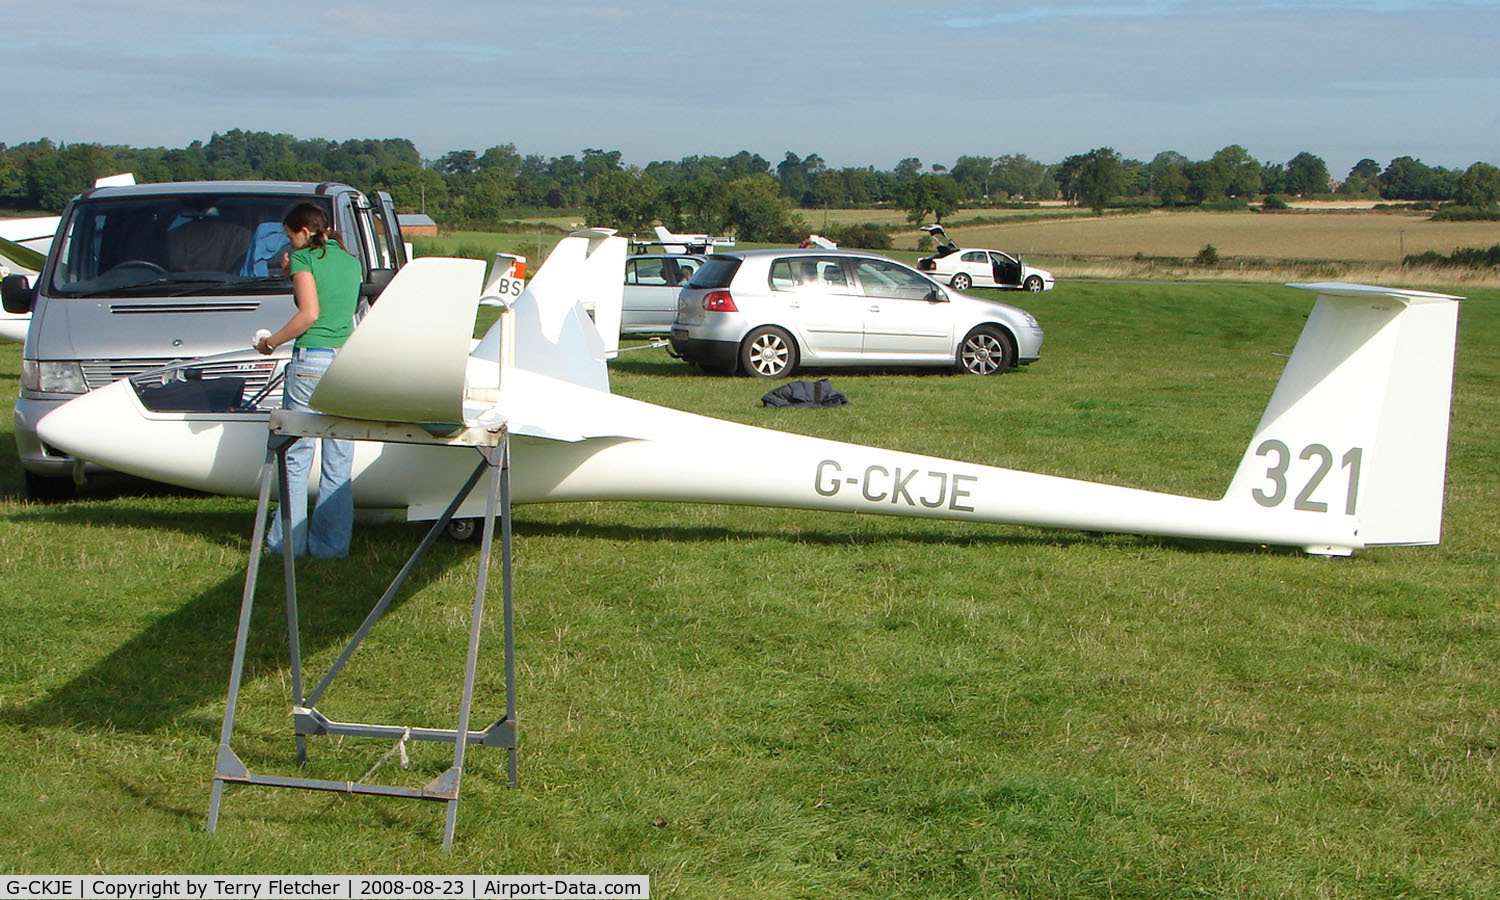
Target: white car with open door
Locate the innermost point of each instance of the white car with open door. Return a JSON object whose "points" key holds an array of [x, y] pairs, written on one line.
{"points": [[963, 268]]}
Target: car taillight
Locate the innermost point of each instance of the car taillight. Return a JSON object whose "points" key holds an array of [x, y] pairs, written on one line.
{"points": [[719, 301]]}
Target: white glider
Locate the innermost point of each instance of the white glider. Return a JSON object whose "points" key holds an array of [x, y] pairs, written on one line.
{"points": [[24, 243], [1351, 451], [671, 242]]}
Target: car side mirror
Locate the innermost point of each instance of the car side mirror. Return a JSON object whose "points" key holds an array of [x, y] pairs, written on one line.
{"points": [[936, 295], [376, 283], [16, 294]]}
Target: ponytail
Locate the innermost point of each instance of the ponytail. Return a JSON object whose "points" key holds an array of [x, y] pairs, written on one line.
{"points": [[312, 217]]}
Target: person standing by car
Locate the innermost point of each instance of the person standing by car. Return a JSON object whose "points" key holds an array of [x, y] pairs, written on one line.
{"points": [[325, 286]]}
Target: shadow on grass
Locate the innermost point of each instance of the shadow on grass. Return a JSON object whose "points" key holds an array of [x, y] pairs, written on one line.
{"points": [[98, 486], [112, 508], [1024, 536], [676, 368], [181, 661]]}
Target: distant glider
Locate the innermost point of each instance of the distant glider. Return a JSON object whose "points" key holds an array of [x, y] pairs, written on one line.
{"points": [[24, 245], [23, 250], [1350, 453], [671, 242]]}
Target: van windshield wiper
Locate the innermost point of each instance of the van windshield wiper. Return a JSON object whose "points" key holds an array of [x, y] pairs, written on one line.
{"points": [[166, 287], [238, 286]]}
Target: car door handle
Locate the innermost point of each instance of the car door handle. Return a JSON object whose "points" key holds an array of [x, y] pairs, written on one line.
{"points": [[874, 307]]}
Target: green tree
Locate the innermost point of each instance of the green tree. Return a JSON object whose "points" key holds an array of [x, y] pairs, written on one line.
{"points": [[1306, 174], [1135, 178], [1273, 179], [1019, 177], [623, 199], [53, 177], [597, 162], [925, 194], [1366, 168], [1207, 181], [1411, 179], [1167, 179], [1478, 186], [502, 157], [484, 196], [972, 176], [1098, 178], [1241, 171], [697, 205], [1363, 179], [413, 188], [907, 169], [531, 180], [755, 210], [1171, 186], [793, 177]]}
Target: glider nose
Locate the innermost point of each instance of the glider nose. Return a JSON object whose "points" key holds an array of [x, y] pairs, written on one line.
{"points": [[92, 427]]}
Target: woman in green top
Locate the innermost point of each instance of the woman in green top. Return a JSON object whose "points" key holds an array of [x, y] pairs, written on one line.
{"points": [[325, 285]]}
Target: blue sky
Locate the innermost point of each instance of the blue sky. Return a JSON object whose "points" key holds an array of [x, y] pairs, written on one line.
{"points": [[860, 83]]}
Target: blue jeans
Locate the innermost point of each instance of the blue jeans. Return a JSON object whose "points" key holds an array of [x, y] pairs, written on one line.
{"points": [[327, 536]]}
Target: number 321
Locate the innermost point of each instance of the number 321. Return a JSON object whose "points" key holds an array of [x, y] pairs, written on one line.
{"points": [[1277, 473]]}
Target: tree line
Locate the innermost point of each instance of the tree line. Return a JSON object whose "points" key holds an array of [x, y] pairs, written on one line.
{"points": [[743, 194]]}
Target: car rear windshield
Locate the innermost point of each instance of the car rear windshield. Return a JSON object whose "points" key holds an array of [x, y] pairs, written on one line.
{"points": [[220, 243], [716, 273]]}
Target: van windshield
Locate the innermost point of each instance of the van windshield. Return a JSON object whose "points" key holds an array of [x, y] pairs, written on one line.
{"points": [[209, 243]]}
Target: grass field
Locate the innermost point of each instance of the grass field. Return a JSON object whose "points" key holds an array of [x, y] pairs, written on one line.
{"points": [[767, 703], [1345, 236], [1329, 242]]}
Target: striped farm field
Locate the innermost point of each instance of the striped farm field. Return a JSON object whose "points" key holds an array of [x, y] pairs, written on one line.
{"points": [[818, 217], [1350, 236]]}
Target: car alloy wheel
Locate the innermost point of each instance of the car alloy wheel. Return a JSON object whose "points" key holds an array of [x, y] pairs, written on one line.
{"points": [[1034, 284], [768, 353], [962, 282], [985, 352]]}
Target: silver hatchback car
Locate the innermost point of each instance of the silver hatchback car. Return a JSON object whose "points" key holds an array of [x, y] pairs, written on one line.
{"points": [[768, 313]]}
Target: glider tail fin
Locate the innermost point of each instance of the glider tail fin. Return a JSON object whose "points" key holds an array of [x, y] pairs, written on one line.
{"points": [[550, 330], [1358, 424]]}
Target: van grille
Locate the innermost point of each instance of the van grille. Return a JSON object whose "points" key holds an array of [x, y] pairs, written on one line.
{"points": [[256, 372]]}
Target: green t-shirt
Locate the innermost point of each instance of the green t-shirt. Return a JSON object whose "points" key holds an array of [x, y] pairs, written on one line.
{"points": [[337, 276]]}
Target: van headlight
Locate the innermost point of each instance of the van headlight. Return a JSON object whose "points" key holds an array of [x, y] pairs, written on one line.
{"points": [[52, 377]]}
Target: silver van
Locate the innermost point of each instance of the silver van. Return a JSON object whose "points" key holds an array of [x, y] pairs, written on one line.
{"points": [[142, 276]]}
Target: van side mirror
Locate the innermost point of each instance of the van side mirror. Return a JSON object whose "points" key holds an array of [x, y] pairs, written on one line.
{"points": [[375, 284], [16, 294]]}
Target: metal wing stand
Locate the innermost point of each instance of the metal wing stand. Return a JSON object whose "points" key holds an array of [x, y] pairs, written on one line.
{"points": [[493, 446]]}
